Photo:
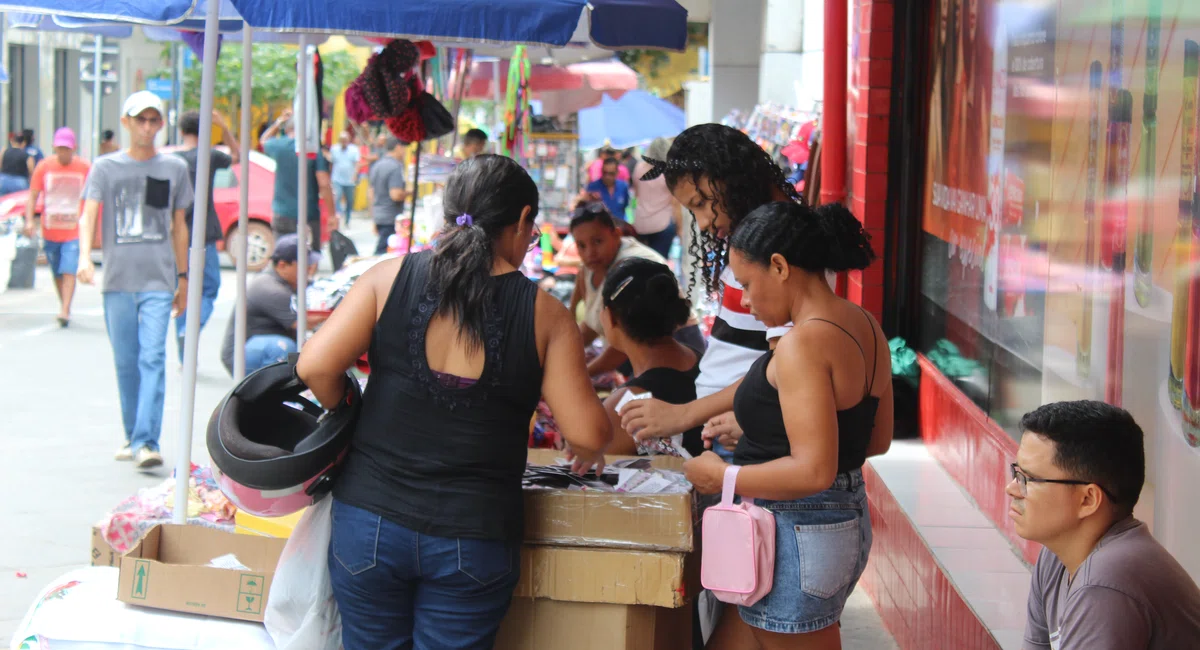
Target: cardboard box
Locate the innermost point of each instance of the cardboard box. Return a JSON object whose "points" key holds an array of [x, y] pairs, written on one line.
{"points": [[102, 552], [168, 570], [248, 524], [543, 624], [660, 522], [593, 575]]}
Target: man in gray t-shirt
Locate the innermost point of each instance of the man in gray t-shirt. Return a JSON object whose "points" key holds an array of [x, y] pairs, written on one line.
{"points": [[1102, 582], [388, 192], [143, 196]]}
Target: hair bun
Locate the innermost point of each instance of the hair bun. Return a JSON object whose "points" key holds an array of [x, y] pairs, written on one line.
{"points": [[850, 244]]}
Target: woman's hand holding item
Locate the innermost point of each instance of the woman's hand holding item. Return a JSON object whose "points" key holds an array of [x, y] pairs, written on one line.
{"points": [[706, 472], [723, 429], [651, 418]]}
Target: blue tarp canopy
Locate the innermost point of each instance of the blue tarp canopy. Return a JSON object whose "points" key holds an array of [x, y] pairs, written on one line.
{"points": [[635, 118]]}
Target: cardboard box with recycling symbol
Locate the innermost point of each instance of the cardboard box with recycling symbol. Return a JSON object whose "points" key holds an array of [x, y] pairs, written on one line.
{"points": [[200, 571]]}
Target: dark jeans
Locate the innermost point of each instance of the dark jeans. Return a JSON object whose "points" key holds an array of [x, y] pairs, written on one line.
{"points": [[400, 590], [384, 231], [660, 241]]}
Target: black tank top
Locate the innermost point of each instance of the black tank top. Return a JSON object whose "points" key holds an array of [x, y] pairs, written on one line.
{"points": [[756, 407], [673, 387], [14, 162], [446, 458]]}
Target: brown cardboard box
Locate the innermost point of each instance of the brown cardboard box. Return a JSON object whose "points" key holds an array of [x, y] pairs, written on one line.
{"points": [[102, 553], [543, 624], [659, 522], [594, 575], [167, 570]]}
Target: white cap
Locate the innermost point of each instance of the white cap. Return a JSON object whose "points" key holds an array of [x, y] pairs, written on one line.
{"points": [[140, 101]]}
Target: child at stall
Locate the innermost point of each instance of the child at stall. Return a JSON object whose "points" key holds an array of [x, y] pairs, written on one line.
{"points": [[642, 308]]}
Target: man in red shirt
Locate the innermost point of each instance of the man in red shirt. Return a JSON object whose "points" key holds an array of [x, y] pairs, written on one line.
{"points": [[61, 177]]}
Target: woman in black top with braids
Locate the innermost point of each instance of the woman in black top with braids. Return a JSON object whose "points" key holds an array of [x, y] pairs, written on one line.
{"points": [[813, 410], [642, 309], [427, 512]]}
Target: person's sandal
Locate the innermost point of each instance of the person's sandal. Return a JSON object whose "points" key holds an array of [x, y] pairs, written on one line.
{"points": [[63, 322]]}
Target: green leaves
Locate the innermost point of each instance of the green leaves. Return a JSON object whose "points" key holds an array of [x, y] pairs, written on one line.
{"points": [[273, 76]]}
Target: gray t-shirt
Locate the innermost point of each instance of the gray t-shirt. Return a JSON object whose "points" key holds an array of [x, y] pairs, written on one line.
{"points": [[1128, 594], [270, 309], [138, 201], [386, 174]]}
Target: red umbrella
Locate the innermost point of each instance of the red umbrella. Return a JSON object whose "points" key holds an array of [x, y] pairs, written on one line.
{"points": [[561, 89]]}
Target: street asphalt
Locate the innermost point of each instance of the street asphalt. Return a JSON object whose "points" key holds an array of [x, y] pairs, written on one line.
{"points": [[61, 424]]}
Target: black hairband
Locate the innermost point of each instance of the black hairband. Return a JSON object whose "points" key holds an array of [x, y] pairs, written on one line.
{"points": [[658, 167]]}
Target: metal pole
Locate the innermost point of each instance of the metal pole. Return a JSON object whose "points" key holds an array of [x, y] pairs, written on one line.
{"points": [[301, 131], [243, 237], [497, 108], [97, 97], [191, 348], [176, 96]]}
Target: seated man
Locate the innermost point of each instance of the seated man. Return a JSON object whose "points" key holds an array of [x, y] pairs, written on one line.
{"points": [[1102, 581], [271, 309]]}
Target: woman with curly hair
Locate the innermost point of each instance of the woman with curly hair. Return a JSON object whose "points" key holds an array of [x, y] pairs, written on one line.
{"points": [[721, 176]]}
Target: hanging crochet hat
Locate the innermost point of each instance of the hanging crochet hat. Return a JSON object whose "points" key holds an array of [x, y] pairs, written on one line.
{"points": [[384, 81], [407, 126]]}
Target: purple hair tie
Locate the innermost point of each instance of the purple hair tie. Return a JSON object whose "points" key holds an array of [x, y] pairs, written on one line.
{"points": [[465, 220]]}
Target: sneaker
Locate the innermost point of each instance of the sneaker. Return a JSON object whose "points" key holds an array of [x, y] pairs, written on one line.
{"points": [[147, 458], [124, 453]]}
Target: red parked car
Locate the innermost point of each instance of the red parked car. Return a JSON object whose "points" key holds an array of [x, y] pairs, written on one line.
{"points": [[226, 196]]}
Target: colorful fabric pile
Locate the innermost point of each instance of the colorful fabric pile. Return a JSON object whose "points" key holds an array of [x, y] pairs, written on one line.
{"points": [[207, 506]]}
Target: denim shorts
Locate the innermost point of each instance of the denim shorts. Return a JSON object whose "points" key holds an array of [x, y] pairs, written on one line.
{"points": [[821, 548], [62, 257]]}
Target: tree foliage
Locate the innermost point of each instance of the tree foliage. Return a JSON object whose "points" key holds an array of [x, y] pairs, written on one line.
{"points": [[273, 75]]}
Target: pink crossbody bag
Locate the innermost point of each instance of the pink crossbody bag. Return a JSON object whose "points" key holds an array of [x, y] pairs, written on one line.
{"points": [[737, 563]]}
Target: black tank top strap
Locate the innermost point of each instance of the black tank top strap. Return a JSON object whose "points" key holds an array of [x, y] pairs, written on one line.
{"points": [[861, 352], [874, 349]]}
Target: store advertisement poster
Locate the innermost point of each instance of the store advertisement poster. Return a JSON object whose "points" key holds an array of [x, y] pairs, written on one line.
{"points": [[1061, 248]]}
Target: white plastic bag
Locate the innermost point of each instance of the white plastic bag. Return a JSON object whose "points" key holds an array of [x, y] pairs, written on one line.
{"points": [[301, 612]]}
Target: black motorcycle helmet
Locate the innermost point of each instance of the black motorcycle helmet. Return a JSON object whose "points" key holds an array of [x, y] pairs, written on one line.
{"points": [[275, 451]]}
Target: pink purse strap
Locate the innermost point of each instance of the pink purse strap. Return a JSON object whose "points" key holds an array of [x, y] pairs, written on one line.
{"points": [[730, 485]]}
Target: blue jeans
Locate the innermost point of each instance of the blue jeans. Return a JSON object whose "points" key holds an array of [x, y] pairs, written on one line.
{"points": [[137, 329], [400, 590], [212, 285], [263, 350], [62, 257], [343, 199], [821, 547], [10, 183]]}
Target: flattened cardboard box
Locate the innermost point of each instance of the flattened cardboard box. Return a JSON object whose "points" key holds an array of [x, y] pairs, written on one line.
{"points": [[659, 522], [594, 575], [167, 570], [543, 624]]}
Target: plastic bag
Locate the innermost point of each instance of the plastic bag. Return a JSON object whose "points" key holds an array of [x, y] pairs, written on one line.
{"points": [[301, 612]]}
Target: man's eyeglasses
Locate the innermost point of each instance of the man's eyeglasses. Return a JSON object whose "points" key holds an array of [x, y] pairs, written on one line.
{"points": [[143, 121], [1023, 480]]}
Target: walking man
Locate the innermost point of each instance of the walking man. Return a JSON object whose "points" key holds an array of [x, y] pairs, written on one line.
{"points": [[61, 177], [285, 204], [345, 158], [145, 195], [388, 190], [189, 127]]}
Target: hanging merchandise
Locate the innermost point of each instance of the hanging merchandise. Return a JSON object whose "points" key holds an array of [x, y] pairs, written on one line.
{"points": [[314, 77], [437, 120], [516, 103], [387, 84]]}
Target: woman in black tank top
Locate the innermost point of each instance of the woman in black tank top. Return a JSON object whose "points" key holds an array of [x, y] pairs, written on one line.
{"points": [[642, 307], [427, 511], [812, 411]]}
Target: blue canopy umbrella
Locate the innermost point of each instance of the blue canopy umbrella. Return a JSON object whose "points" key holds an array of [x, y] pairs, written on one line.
{"points": [[46, 23], [611, 24], [138, 12], [230, 20], [635, 118]]}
